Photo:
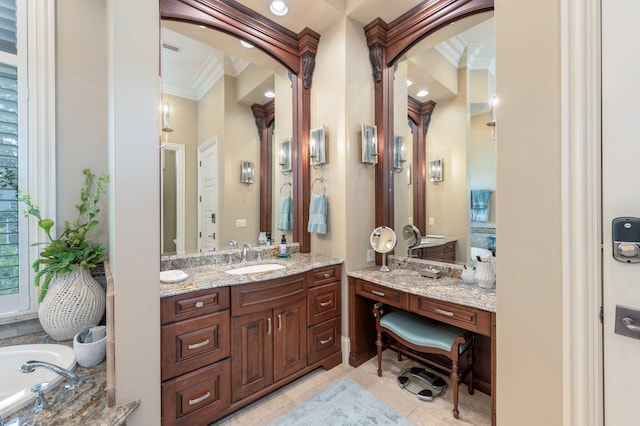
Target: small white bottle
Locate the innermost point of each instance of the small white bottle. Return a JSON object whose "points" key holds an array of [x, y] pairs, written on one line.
{"points": [[283, 245]]}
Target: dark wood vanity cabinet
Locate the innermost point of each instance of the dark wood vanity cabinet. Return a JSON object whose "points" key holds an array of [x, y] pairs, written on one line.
{"points": [[269, 333], [226, 347], [196, 349]]}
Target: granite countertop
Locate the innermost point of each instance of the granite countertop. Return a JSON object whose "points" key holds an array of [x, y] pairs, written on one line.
{"points": [[86, 405], [447, 288], [214, 275]]}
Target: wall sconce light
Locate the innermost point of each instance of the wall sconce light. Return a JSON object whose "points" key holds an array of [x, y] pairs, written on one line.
{"points": [[165, 118], [285, 157], [247, 172], [398, 154], [492, 116], [435, 170], [369, 145], [317, 147]]}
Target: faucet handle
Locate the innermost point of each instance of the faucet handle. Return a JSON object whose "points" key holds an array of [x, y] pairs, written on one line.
{"points": [[41, 402], [233, 244]]}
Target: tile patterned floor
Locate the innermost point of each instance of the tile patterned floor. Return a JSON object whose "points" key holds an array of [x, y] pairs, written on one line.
{"points": [[474, 409]]}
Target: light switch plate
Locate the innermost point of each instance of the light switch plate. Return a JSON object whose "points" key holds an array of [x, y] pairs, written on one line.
{"points": [[371, 255], [241, 223]]}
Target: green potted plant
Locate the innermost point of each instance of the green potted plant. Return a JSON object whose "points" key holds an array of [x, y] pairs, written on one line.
{"points": [[76, 299]]}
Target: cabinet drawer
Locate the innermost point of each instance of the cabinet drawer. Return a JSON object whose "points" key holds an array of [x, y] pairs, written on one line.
{"points": [[323, 303], [183, 306], [194, 343], [323, 340], [249, 298], [465, 317], [449, 247], [383, 294], [195, 397], [325, 275]]}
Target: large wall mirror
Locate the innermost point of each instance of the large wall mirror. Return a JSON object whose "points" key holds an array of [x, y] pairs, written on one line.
{"points": [[440, 71], [234, 86]]}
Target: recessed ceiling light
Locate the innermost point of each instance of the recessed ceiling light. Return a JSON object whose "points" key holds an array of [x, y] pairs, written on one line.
{"points": [[246, 44], [278, 7], [409, 83], [422, 93], [269, 94], [201, 26]]}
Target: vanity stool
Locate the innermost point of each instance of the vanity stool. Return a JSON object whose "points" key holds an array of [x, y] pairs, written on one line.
{"points": [[414, 335]]}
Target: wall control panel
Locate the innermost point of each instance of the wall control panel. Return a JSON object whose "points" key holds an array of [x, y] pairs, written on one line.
{"points": [[626, 239]]}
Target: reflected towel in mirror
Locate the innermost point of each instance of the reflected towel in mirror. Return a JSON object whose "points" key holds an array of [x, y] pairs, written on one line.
{"points": [[285, 214], [318, 214], [480, 205]]}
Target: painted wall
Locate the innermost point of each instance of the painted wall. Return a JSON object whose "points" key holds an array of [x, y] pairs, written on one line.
{"points": [[447, 201], [134, 223], [482, 163], [529, 331], [81, 105], [184, 122]]}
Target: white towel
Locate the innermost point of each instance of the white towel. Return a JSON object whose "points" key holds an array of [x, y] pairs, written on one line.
{"points": [[285, 214], [318, 214]]}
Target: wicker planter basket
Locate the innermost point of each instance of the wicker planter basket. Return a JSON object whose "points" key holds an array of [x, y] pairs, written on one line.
{"points": [[73, 301]]}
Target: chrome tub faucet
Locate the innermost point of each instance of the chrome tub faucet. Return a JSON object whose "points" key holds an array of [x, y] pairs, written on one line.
{"points": [[30, 366]]}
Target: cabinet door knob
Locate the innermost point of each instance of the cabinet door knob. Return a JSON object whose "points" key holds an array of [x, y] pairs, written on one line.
{"points": [[199, 304], [326, 275]]}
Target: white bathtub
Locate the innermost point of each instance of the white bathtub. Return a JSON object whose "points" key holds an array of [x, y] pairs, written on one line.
{"points": [[15, 386], [484, 254]]}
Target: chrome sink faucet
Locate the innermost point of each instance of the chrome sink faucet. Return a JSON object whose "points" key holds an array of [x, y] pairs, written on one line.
{"points": [[245, 248], [30, 366]]}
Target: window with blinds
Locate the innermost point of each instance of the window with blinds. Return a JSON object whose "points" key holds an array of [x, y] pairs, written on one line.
{"points": [[9, 237]]}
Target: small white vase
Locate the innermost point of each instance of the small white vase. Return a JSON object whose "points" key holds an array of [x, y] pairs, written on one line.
{"points": [[485, 275], [72, 301], [468, 276], [93, 349]]}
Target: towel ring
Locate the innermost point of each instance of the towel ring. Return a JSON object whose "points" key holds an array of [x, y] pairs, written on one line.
{"points": [[321, 180], [285, 184]]}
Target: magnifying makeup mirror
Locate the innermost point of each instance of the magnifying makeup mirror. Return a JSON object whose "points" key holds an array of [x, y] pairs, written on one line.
{"points": [[412, 237], [383, 240]]}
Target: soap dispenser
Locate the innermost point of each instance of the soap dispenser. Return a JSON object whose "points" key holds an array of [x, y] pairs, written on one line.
{"points": [[283, 244]]}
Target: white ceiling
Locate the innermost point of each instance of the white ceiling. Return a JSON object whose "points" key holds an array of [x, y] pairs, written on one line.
{"points": [[204, 55]]}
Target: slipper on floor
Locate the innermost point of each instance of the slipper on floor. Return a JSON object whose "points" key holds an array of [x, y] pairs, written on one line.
{"points": [[433, 379]]}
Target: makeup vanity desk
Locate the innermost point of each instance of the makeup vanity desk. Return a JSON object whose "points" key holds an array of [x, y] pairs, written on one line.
{"points": [[445, 299]]}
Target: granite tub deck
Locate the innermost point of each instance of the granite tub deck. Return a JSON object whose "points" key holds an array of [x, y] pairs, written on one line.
{"points": [[213, 275], [404, 276], [85, 406]]}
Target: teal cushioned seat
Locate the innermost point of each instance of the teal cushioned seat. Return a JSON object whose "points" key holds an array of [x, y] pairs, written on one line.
{"points": [[423, 331]]}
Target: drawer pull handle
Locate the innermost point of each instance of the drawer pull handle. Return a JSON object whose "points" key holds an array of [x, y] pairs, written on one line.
{"points": [[324, 342], [199, 400], [327, 303], [199, 304], [377, 293], [279, 322], [198, 345], [269, 326], [326, 275], [442, 312]]}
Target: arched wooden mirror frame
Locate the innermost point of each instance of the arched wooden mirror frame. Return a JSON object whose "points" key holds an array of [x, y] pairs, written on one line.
{"points": [[297, 52], [387, 43]]}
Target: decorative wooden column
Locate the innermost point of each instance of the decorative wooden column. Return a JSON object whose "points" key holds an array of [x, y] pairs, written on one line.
{"points": [[419, 119], [265, 119]]}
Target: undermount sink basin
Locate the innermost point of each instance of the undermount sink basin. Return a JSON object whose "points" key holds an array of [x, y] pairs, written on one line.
{"points": [[252, 269]]}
